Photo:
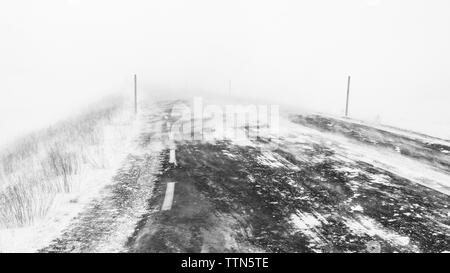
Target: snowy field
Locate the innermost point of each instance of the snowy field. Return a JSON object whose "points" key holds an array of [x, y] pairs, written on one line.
{"points": [[47, 177]]}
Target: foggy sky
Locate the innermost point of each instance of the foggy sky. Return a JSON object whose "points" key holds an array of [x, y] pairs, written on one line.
{"points": [[57, 55]]}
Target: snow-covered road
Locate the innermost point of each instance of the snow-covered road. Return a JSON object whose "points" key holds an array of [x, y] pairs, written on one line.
{"points": [[322, 185]]}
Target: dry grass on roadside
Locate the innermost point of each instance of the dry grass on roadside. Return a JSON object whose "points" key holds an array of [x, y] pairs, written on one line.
{"points": [[38, 167]]}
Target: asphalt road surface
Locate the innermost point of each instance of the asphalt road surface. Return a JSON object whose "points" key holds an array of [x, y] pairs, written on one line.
{"points": [[321, 185]]}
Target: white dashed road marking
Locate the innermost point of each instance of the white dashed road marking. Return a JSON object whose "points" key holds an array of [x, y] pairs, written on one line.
{"points": [[172, 157], [168, 199]]}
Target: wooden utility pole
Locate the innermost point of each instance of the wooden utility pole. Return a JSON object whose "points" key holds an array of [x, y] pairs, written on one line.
{"points": [[348, 94], [229, 88], [135, 94]]}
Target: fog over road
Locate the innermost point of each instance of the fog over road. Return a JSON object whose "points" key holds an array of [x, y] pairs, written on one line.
{"points": [[321, 184]]}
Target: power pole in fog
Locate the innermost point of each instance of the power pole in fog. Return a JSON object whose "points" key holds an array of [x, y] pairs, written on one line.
{"points": [[348, 94], [135, 94], [229, 88]]}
